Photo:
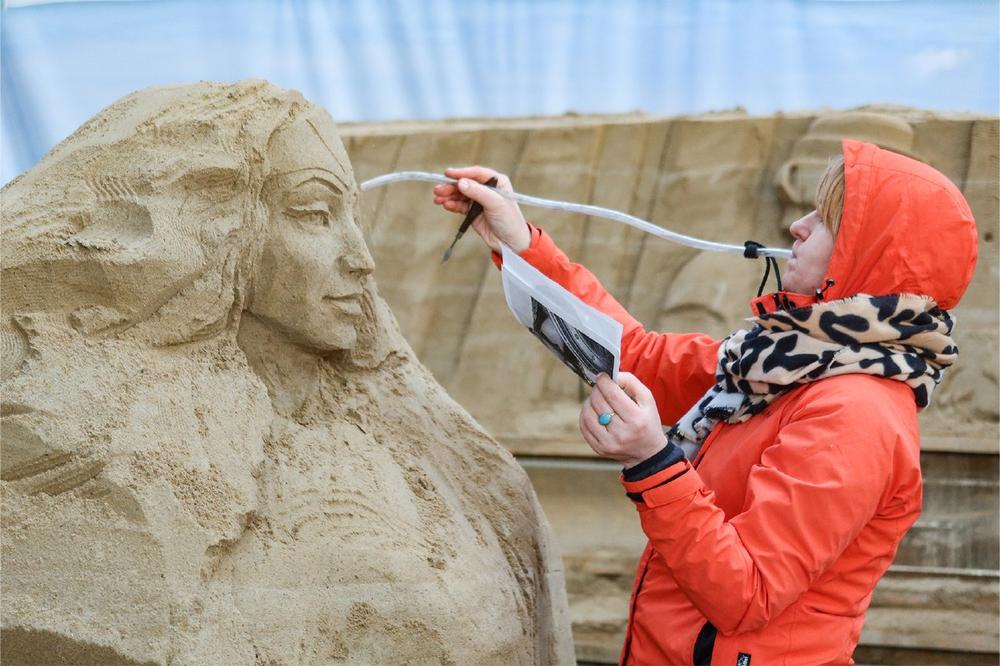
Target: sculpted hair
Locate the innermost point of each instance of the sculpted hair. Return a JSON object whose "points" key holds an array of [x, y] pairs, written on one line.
{"points": [[148, 219]]}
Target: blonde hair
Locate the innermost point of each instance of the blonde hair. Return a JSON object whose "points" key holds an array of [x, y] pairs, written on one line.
{"points": [[830, 194]]}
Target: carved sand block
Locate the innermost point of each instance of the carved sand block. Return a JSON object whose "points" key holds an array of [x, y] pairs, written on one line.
{"points": [[217, 446], [799, 175]]}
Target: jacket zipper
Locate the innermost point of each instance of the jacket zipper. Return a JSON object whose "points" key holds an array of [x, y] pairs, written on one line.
{"points": [[708, 442], [704, 644], [631, 611]]}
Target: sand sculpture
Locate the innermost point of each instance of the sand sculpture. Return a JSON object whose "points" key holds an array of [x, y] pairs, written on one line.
{"points": [[217, 447], [798, 176]]}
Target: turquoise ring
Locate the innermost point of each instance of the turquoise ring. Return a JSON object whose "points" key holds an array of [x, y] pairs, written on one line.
{"points": [[605, 418]]}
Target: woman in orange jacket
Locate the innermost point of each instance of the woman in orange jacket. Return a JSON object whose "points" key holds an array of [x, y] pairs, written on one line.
{"points": [[791, 471]]}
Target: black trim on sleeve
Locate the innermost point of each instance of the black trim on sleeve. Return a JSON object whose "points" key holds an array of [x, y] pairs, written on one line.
{"points": [[669, 455], [637, 497]]}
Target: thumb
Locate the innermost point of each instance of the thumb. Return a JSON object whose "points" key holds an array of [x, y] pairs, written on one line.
{"points": [[635, 389], [485, 196]]}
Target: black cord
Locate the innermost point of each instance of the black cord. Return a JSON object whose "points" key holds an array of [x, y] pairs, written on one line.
{"points": [[750, 251], [763, 282], [777, 271]]}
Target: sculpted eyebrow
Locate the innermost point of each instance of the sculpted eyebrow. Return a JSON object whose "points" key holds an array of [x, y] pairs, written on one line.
{"points": [[337, 188]]}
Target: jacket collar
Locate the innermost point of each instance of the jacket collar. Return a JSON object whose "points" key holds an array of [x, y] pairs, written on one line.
{"points": [[779, 300]]}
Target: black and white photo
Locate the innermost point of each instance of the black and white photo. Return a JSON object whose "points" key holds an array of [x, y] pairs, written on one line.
{"points": [[587, 341], [581, 354]]}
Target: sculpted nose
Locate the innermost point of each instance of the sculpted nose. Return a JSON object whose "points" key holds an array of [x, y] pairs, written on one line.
{"points": [[359, 263], [356, 259]]}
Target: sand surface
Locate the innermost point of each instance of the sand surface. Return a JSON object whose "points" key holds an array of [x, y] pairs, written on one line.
{"points": [[217, 446]]}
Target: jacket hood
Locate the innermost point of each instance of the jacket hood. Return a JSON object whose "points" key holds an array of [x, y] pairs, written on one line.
{"points": [[905, 228]]}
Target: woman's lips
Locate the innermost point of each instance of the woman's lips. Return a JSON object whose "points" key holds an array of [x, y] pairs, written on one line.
{"points": [[349, 304]]}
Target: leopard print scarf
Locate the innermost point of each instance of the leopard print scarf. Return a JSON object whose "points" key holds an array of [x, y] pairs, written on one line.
{"points": [[903, 337]]}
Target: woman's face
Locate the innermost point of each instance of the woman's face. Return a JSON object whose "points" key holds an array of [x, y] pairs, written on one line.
{"points": [[810, 255], [312, 274]]}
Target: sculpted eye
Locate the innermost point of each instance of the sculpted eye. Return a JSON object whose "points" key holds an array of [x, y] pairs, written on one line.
{"points": [[318, 215]]}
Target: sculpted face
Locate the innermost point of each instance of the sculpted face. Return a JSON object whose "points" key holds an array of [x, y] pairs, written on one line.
{"points": [[312, 273]]}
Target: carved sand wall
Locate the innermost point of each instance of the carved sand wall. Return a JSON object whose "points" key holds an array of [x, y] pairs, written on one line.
{"points": [[726, 177], [217, 447]]}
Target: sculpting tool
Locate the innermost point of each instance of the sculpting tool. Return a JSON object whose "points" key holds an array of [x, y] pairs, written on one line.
{"points": [[474, 210]]}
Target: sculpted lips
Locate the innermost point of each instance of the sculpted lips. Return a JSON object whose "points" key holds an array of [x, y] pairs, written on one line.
{"points": [[348, 303]]}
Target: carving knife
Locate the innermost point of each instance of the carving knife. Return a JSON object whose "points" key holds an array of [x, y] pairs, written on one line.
{"points": [[474, 210]]}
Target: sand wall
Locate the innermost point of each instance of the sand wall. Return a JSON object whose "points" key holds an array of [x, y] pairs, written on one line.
{"points": [[725, 177]]}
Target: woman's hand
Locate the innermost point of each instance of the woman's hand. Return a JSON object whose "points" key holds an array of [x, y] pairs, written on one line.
{"points": [[634, 433], [501, 220]]}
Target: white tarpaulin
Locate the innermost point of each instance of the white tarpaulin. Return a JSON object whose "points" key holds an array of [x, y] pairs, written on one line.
{"points": [[388, 59]]}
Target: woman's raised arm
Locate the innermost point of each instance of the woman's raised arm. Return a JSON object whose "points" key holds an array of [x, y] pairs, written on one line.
{"points": [[677, 368]]}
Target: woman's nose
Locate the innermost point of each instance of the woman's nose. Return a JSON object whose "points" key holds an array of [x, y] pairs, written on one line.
{"points": [[799, 229], [356, 259]]}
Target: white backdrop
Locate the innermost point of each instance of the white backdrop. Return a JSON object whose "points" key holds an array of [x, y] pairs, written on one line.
{"points": [[389, 59]]}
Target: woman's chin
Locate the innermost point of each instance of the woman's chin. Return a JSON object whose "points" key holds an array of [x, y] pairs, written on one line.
{"points": [[339, 337], [792, 282], [795, 286]]}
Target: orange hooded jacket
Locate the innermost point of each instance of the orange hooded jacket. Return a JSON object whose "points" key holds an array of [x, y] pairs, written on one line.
{"points": [[767, 549]]}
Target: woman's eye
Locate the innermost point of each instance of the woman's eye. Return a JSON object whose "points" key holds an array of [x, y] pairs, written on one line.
{"points": [[309, 214]]}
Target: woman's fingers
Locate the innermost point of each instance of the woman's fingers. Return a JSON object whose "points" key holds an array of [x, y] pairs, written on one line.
{"points": [[501, 221], [635, 389], [477, 173], [449, 198], [453, 198], [457, 206], [634, 432], [504, 184], [481, 193], [594, 434], [447, 191], [598, 403], [585, 431], [450, 190], [620, 402]]}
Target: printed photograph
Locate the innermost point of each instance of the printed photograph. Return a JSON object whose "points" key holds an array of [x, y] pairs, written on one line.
{"points": [[580, 353]]}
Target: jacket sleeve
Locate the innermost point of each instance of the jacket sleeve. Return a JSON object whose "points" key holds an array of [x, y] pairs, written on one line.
{"points": [[677, 368], [807, 499]]}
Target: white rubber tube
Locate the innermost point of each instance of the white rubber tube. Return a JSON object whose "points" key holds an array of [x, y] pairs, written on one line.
{"points": [[584, 209]]}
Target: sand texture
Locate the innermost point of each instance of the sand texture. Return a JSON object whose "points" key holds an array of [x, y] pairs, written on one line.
{"points": [[725, 177], [217, 447]]}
